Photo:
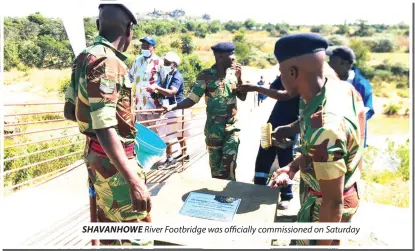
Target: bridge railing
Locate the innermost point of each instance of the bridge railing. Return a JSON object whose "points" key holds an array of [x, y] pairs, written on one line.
{"points": [[40, 144]]}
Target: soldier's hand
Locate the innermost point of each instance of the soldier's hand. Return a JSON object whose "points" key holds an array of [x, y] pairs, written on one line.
{"points": [[279, 134], [140, 197], [281, 177], [238, 70], [168, 108], [247, 87]]}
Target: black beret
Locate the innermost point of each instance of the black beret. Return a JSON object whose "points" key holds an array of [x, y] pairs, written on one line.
{"points": [[291, 46], [343, 52], [223, 47]]}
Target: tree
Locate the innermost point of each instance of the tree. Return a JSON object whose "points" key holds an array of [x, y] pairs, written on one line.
{"points": [[190, 67], [239, 37], [30, 54], [191, 26], [363, 30], [187, 44], [383, 45], [249, 24], [361, 51], [201, 30], [91, 31], [206, 17], [232, 26], [37, 18], [11, 54], [242, 48], [268, 27], [344, 29], [242, 52], [215, 26]]}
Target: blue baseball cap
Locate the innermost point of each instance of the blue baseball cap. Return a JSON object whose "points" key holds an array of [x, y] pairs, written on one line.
{"points": [[149, 40]]}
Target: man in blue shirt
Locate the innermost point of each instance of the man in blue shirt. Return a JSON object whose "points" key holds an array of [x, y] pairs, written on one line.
{"points": [[172, 92], [285, 112], [342, 61]]}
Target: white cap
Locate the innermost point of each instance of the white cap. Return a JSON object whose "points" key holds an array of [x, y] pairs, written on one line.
{"points": [[172, 57]]}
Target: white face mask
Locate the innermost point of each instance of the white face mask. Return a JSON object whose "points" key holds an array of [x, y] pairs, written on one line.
{"points": [[167, 69], [146, 53]]}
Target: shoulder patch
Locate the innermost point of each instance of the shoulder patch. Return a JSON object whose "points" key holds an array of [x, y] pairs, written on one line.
{"points": [[107, 86]]}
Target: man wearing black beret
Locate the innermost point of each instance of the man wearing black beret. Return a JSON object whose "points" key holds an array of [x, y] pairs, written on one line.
{"points": [[332, 128], [219, 84]]}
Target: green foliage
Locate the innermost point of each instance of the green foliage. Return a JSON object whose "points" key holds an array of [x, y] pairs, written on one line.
{"points": [[215, 26], [322, 29], [190, 67], [11, 55], [175, 44], [249, 24], [63, 85], [36, 41], [232, 26], [361, 51], [242, 48], [392, 109], [364, 29], [36, 171], [337, 40], [343, 30], [187, 45], [383, 45]]}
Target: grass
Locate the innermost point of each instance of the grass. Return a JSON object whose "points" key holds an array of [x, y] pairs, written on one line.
{"points": [[383, 125], [395, 57], [386, 186], [45, 77]]}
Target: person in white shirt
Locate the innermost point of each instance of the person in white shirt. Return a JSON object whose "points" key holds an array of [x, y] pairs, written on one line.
{"points": [[172, 89], [145, 72]]}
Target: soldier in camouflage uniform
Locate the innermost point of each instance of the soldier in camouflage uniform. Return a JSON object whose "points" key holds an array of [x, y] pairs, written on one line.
{"points": [[219, 85], [332, 125], [100, 99]]}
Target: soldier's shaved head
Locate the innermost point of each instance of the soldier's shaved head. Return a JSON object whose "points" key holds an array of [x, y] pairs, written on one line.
{"points": [[301, 73], [115, 24]]}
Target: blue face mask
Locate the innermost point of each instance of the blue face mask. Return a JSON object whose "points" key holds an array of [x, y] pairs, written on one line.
{"points": [[146, 53]]}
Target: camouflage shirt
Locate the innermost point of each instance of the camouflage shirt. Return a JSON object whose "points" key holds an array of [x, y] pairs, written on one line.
{"points": [[332, 130], [219, 93], [101, 91]]}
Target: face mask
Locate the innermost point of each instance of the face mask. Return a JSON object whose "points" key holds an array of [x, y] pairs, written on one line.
{"points": [[146, 53], [167, 69]]}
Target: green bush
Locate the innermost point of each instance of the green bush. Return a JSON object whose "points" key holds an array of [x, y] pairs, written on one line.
{"points": [[383, 74], [274, 33], [337, 40], [175, 44], [392, 109], [63, 85], [361, 51], [187, 44], [190, 68], [403, 94], [36, 171], [383, 45], [130, 60]]}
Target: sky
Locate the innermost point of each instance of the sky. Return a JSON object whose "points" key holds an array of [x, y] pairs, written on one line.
{"points": [[309, 12]]}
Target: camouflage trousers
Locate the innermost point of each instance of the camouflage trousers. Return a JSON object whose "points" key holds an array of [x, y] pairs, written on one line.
{"points": [[113, 196], [222, 141], [310, 211]]}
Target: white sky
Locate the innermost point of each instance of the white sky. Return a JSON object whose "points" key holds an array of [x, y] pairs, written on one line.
{"points": [[274, 11]]}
